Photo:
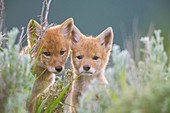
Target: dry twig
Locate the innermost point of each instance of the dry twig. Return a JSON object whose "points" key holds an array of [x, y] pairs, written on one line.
{"points": [[21, 35], [42, 12], [2, 13], [47, 11]]}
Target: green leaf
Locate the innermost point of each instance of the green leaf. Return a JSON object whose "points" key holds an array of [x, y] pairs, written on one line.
{"points": [[42, 104]]}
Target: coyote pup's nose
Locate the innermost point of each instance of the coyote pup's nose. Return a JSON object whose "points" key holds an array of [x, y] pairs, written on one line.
{"points": [[58, 69], [86, 67]]}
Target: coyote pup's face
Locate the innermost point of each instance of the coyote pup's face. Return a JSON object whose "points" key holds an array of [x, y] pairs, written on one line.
{"points": [[90, 55], [55, 42]]}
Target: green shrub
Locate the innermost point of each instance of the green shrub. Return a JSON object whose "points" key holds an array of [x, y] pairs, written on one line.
{"points": [[15, 77]]}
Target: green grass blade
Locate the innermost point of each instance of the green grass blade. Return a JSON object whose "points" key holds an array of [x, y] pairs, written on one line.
{"points": [[123, 79], [37, 59], [1, 48], [42, 105], [40, 75], [33, 33], [54, 103], [113, 95], [4, 38], [67, 104]]}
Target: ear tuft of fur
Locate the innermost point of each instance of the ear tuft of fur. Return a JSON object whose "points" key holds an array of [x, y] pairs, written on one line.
{"points": [[33, 30], [66, 27], [106, 38], [76, 35]]}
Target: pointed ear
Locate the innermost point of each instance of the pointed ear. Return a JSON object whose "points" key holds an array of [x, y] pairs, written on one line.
{"points": [[66, 27], [106, 38], [33, 30], [76, 35]]}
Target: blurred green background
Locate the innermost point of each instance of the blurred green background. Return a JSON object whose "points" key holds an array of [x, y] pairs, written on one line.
{"points": [[93, 16]]}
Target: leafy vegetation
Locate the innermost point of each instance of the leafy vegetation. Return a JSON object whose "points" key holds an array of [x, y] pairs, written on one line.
{"points": [[15, 76], [136, 87]]}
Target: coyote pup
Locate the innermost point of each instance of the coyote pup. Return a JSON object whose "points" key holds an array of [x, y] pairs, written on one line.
{"points": [[55, 51], [89, 58]]}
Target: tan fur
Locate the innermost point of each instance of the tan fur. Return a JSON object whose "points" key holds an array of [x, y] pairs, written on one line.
{"points": [[53, 41], [88, 47]]}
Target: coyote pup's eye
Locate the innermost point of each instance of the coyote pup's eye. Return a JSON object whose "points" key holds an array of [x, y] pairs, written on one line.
{"points": [[79, 57], [95, 57], [47, 53], [62, 52]]}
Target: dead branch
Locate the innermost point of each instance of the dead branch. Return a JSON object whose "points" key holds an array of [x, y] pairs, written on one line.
{"points": [[47, 11], [42, 12], [2, 13], [21, 35]]}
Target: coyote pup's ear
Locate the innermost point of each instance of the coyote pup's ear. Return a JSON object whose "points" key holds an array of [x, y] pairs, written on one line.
{"points": [[33, 30], [106, 38], [76, 35], [66, 27]]}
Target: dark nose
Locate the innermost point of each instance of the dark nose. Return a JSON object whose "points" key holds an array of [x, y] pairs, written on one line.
{"points": [[86, 67], [59, 68]]}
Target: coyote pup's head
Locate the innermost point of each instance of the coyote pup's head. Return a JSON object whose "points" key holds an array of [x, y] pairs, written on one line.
{"points": [[90, 54], [55, 44]]}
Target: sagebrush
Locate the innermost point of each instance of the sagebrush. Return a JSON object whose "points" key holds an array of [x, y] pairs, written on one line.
{"points": [[15, 76]]}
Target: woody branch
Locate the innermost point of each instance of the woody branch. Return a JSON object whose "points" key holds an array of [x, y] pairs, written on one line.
{"points": [[2, 13]]}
